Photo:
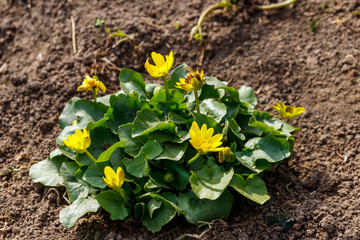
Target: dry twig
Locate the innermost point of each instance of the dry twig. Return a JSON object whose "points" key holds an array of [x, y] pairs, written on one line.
{"points": [[73, 34]]}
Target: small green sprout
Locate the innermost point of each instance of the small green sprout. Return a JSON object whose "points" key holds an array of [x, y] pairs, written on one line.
{"points": [[99, 22], [313, 25], [122, 37]]}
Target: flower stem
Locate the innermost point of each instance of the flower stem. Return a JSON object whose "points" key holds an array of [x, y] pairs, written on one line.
{"points": [[275, 5], [166, 88], [197, 27], [94, 93], [124, 197], [90, 156], [193, 159], [197, 101]]}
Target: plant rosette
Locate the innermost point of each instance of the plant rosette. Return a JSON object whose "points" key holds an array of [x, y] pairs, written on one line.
{"points": [[147, 153]]}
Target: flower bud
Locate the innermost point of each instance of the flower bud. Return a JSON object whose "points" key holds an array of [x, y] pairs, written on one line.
{"points": [[169, 177]]}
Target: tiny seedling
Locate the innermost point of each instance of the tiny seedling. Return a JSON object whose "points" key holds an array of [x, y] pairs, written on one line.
{"points": [[121, 36], [313, 25], [99, 22]]}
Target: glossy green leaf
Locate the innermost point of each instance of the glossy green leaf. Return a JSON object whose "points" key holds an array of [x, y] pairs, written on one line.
{"points": [[247, 95], [130, 76], [69, 215], [132, 145], [253, 188], [153, 205], [210, 182], [47, 171], [74, 189], [203, 210], [139, 167], [106, 155], [148, 121], [236, 129], [173, 151], [209, 121], [123, 109], [214, 109], [113, 203], [68, 115], [94, 175]]}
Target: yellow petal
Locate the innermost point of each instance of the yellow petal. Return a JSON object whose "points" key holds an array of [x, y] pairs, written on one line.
{"points": [[108, 183], [158, 59], [109, 173], [120, 175]]}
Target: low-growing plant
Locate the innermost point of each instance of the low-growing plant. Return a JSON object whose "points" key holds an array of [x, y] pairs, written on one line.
{"points": [[150, 152]]}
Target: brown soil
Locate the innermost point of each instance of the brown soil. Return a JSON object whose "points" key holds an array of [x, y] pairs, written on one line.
{"points": [[275, 52]]}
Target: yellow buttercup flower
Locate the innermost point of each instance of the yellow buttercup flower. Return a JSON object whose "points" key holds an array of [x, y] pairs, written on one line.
{"points": [[223, 153], [193, 81], [79, 141], [112, 179], [288, 112], [162, 66], [203, 141], [90, 84]]}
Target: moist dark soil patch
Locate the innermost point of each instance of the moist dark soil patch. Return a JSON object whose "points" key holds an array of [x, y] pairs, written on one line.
{"points": [[277, 53]]}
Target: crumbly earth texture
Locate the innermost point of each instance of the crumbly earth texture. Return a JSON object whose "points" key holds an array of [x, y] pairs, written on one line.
{"points": [[300, 55]]}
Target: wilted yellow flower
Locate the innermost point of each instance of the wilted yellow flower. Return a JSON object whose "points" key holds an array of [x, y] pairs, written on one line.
{"points": [[162, 66], [79, 141], [193, 81], [203, 141], [89, 84], [288, 112], [223, 153], [112, 179]]}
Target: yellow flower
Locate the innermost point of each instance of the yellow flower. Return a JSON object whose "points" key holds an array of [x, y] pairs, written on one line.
{"points": [[223, 153], [288, 112], [162, 66], [112, 179], [203, 141], [79, 141], [89, 84], [193, 81]]}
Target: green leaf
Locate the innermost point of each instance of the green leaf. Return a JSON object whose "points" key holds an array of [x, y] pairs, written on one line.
{"points": [[253, 188], [173, 151], [153, 205], [69, 215], [105, 156], [74, 189], [128, 75], [150, 88], [47, 171], [113, 203], [148, 121], [123, 109], [101, 139], [162, 215], [214, 109], [139, 167], [210, 122], [181, 175], [217, 84], [68, 115], [94, 175], [133, 89], [235, 129], [272, 149], [175, 98], [210, 182], [233, 93], [133, 144], [203, 210], [179, 72], [247, 95]]}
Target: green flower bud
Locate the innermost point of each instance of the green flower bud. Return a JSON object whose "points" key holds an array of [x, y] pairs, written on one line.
{"points": [[169, 177], [134, 93], [157, 89]]}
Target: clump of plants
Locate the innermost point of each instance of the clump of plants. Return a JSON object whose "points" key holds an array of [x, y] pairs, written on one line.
{"points": [[153, 151]]}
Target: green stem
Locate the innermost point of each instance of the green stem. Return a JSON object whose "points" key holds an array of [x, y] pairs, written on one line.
{"points": [[197, 27], [166, 88], [197, 101], [124, 197], [90, 156], [94, 93], [275, 5], [193, 159]]}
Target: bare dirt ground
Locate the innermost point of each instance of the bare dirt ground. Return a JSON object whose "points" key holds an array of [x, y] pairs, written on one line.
{"points": [[278, 53]]}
